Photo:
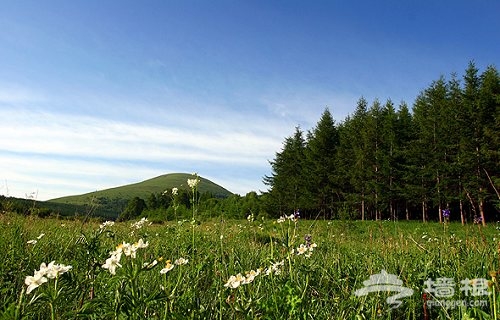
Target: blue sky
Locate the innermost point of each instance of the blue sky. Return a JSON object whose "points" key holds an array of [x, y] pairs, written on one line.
{"points": [[97, 94]]}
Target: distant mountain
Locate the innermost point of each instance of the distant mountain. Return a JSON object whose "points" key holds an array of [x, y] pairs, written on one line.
{"points": [[145, 188]]}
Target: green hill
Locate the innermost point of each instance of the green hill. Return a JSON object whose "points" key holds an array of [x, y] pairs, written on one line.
{"points": [[109, 203], [145, 188]]}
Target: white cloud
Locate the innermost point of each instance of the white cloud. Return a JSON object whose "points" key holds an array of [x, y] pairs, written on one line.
{"points": [[63, 135], [56, 177], [59, 154], [110, 142]]}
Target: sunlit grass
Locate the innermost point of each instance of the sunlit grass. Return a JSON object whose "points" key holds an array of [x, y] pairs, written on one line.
{"points": [[240, 269]]}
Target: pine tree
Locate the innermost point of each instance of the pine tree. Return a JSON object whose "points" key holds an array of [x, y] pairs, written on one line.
{"points": [[456, 135], [351, 156], [286, 182], [443, 154], [473, 185], [489, 101], [321, 154], [374, 155], [405, 133], [389, 146]]}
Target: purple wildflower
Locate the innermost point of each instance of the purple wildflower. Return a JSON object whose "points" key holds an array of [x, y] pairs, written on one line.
{"points": [[308, 239], [296, 214], [446, 213]]}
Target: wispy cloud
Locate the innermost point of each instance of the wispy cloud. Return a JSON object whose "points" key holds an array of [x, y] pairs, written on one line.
{"points": [[67, 154], [55, 177], [82, 136]]}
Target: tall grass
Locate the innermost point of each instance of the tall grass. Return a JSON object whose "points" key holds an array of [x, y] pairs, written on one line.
{"points": [[241, 269]]}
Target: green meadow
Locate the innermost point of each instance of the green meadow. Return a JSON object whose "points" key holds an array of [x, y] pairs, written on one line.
{"points": [[246, 269]]}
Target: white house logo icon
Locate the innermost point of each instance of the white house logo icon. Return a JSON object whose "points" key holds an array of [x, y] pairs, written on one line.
{"points": [[385, 282]]}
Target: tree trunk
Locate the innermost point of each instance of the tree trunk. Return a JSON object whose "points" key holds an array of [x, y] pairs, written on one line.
{"points": [[363, 206], [481, 208], [439, 198], [462, 218], [423, 211]]}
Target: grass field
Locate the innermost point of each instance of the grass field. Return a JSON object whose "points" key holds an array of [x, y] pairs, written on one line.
{"points": [[246, 270]]}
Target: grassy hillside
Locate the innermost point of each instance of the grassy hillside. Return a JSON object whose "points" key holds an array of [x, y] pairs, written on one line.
{"points": [[145, 188]]}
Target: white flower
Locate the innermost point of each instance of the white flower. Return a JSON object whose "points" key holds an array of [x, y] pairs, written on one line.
{"points": [[275, 268], [127, 249], [141, 244], [150, 265], [112, 262], [107, 224], [235, 281], [175, 191], [181, 261], [119, 249], [130, 249], [302, 249], [139, 224], [250, 276], [192, 183], [50, 271], [43, 268], [34, 281], [168, 267], [53, 270]]}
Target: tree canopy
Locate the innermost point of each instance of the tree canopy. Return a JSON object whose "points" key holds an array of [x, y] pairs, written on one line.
{"points": [[387, 162]]}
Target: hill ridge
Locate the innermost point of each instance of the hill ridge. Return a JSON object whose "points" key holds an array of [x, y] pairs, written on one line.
{"points": [[144, 188]]}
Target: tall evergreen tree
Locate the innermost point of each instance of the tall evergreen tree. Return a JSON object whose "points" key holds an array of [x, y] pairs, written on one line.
{"points": [[430, 110], [374, 156], [389, 146], [286, 182], [456, 135], [405, 133], [321, 156], [489, 102], [383, 163], [473, 184], [354, 140]]}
